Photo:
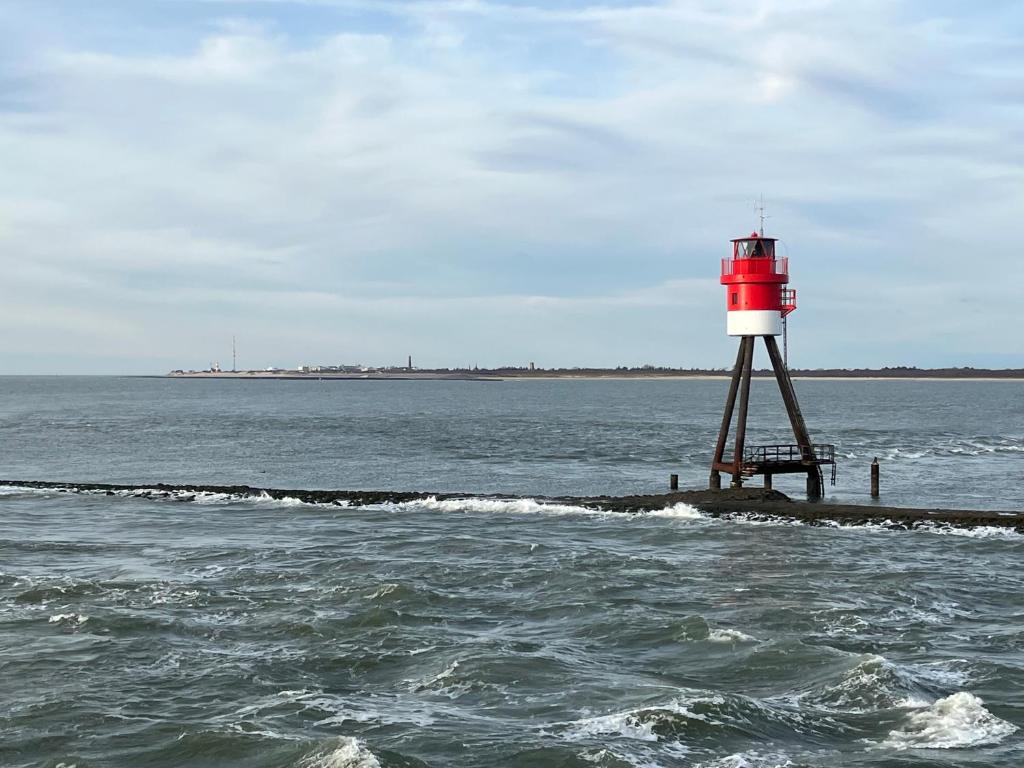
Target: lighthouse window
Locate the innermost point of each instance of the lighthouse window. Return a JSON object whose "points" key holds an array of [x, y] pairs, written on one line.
{"points": [[751, 249], [735, 298]]}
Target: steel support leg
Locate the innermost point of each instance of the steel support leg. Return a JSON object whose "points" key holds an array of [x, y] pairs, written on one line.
{"points": [[741, 419], [815, 483], [730, 404]]}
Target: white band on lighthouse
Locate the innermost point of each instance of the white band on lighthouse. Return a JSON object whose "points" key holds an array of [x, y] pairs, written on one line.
{"points": [[754, 322]]}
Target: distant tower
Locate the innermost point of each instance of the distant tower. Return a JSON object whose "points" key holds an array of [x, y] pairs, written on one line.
{"points": [[410, 362], [234, 357], [756, 302]]}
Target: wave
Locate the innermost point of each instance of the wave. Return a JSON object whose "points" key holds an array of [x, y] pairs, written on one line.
{"points": [[697, 715], [876, 683], [752, 759], [876, 526], [955, 722], [528, 506], [70, 619], [680, 511], [634, 724], [184, 494], [951, 447], [732, 636], [342, 752], [926, 526]]}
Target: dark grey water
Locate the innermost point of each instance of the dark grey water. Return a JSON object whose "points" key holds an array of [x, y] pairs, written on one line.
{"points": [[141, 632]]}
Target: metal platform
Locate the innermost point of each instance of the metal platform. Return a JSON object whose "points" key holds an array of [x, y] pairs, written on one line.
{"points": [[787, 459]]}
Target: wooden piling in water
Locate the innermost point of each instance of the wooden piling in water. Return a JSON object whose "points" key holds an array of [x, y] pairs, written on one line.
{"points": [[875, 479]]}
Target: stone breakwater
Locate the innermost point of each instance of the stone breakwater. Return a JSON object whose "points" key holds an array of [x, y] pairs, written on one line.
{"points": [[750, 503]]}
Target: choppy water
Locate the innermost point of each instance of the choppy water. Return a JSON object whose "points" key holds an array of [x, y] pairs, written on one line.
{"points": [[143, 632]]}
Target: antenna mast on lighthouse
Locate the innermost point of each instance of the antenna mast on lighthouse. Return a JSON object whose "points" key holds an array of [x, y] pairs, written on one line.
{"points": [[760, 207]]}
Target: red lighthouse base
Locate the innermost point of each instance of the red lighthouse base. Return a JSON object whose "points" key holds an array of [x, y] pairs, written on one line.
{"points": [[767, 460]]}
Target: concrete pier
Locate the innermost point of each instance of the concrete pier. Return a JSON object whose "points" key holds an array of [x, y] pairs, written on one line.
{"points": [[758, 502]]}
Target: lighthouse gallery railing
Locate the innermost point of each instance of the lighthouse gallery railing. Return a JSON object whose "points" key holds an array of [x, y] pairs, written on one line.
{"points": [[757, 266]]}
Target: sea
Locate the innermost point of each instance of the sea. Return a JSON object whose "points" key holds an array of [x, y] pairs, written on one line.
{"points": [[232, 629]]}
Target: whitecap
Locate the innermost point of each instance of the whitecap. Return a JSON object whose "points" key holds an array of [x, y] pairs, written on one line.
{"points": [[384, 590], [627, 725], [438, 680], [343, 752], [638, 757], [69, 618], [877, 683], [680, 511], [499, 506], [955, 722], [978, 532], [638, 724], [752, 759], [729, 636]]}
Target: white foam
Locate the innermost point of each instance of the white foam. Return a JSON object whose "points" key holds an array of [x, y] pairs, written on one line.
{"points": [[637, 757], [344, 752], [20, 490], [384, 590], [880, 526], [638, 724], [936, 528], [680, 511], [877, 683], [284, 501], [176, 494], [439, 680], [70, 618], [955, 722], [729, 636], [627, 725], [752, 759], [373, 710], [845, 624], [980, 532], [500, 506], [912, 702]]}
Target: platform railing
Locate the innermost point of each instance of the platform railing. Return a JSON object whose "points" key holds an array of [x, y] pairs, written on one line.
{"points": [[762, 454], [757, 266]]}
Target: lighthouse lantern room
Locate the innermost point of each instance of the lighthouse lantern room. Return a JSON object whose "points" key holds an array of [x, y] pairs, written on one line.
{"points": [[757, 303]]}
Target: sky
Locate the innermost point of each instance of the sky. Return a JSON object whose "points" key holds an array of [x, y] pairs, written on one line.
{"points": [[476, 182]]}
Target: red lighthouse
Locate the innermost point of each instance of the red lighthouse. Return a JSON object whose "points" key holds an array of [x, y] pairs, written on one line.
{"points": [[757, 301], [756, 297]]}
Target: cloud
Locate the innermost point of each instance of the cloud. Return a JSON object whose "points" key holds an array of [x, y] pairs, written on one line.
{"points": [[566, 174]]}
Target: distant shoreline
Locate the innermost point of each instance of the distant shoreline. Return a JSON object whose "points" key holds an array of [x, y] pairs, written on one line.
{"points": [[595, 374]]}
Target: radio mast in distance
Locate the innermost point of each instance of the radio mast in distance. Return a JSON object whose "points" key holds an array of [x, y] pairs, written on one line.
{"points": [[234, 357]]}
